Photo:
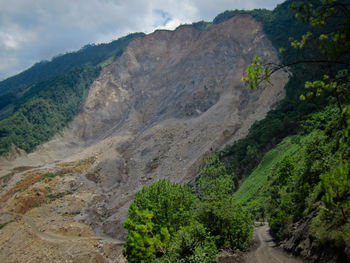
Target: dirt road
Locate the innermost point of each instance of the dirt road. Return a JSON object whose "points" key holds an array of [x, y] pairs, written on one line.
{"points": [[47, 236], [267, 252]]}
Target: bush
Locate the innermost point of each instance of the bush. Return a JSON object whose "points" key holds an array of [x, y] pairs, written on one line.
{"points": [[158, 210], [192, 244], [170, 203], [228, 223], [142, 243]]}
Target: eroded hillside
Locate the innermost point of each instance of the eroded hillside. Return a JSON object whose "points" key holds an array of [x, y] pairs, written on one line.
{"points": [[170, 99]]}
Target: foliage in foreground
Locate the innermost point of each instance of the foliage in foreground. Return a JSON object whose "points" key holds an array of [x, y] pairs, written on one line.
{"points": [[192, 244], [314, 184], [167, 223], [311, 182]]}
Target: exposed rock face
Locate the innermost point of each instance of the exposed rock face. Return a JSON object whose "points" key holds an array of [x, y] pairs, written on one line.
{"points": [[169, 100]]}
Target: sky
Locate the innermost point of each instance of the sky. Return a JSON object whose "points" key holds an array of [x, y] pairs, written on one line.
{"points": [[36, 30]]}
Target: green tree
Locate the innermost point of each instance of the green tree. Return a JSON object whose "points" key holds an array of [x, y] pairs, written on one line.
{"points": [[142, 243], [170, 203], [329, 38], [336, 187], [336, 182], [227, 222], [157, 213], [285, 170], [192, 244], [216, 210]]}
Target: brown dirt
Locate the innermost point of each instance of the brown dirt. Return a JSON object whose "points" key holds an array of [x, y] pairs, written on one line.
{"points": [[49, 232], [29, 179], [32, 197], [79, 166]]}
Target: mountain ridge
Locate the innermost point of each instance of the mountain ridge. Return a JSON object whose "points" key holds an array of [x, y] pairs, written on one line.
{"points": [[158, 109]]}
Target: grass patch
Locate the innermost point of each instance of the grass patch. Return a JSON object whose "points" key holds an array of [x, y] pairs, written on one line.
{"points": [[107, 62], [255, 185], [51, 175], [3, 225], [53, 197], [35, 205], [20, 190], [86, 161]]}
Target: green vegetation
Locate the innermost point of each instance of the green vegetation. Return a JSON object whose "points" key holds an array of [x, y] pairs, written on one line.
{"points": [[51, 175], [20, 190], [42, 100], [170, 203], [143, 244], [312, 182], [35, 205], [46, 109], [253, 190], [168, 223], [53, 197], [294, 165], [157, 210], [292, 168], [192, 244], [89, 55], [217, 211], [279, 24], [202, 25]]}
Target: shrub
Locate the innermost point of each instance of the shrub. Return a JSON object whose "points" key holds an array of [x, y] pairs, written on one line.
{"points": [[192, 244]]}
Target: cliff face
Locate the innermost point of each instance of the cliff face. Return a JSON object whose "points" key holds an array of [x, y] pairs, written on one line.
{"points": [[169, 100]]}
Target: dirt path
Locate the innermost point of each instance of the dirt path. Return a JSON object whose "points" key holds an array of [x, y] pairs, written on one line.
{"points": [[267, 252], [47, 236]]}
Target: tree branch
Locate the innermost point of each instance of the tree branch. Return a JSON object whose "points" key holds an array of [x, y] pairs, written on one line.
{"points": [[275, 67]]}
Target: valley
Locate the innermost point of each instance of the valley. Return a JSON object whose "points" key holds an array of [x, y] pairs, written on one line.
{"points": [[168, 146], [134, 146]]}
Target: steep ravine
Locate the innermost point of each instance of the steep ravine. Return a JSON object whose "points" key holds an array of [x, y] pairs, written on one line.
{"points": [[170, 99]]}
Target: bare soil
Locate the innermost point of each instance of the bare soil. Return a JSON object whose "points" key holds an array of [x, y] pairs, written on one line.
{"points": [[266, 250]]}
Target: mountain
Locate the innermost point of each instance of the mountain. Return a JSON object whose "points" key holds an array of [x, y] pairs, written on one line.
{"points": [[171, 98], [95, 142], [89, 54], [39, 102]]}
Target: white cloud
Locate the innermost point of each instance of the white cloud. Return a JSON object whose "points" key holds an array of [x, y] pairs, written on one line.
{"points": [[14, 37], [33, 30]]}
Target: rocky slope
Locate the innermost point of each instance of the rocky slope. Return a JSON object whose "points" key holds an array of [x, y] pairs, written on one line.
{"points": [[170, 99]]}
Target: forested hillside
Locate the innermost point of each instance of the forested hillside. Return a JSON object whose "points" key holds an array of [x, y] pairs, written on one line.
{"points": [[89, 54], [292, 169], [39, 102], [306, 192]]}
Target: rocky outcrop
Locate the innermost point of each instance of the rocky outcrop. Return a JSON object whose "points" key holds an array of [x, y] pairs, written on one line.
{"points": [[170, 99]]}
